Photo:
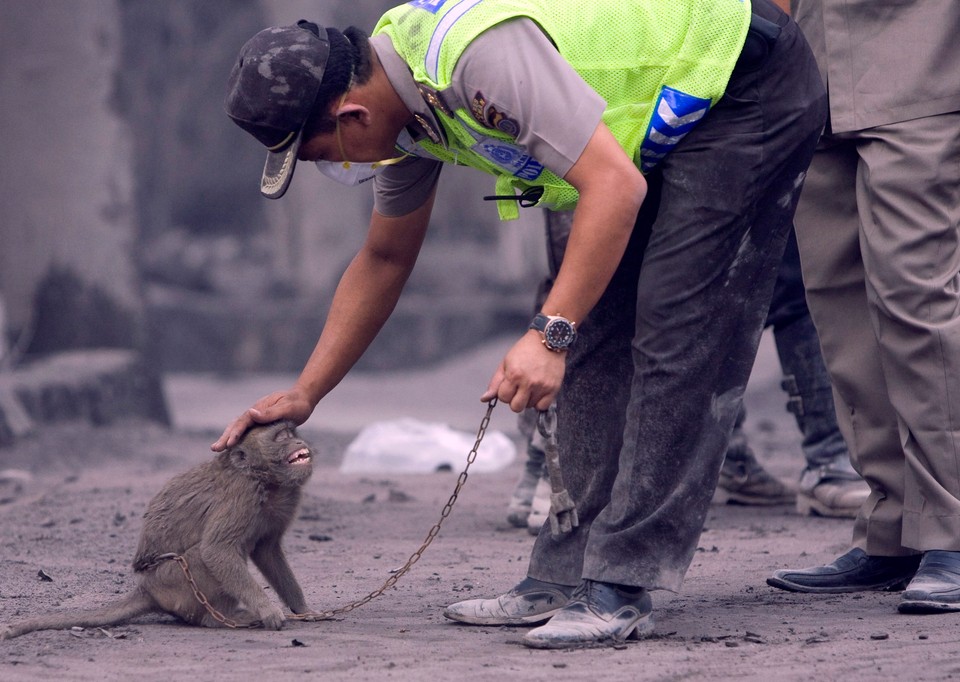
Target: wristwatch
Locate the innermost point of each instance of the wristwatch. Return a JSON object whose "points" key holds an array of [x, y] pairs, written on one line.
{"points": [[558, 332]]}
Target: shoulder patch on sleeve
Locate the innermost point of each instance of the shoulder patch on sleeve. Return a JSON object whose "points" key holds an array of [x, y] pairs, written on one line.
{"points": [[486, 114], [477, 105]]}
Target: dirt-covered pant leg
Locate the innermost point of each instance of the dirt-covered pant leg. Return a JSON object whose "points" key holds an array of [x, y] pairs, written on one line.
{"points": [[587, 448], [643, 475]]}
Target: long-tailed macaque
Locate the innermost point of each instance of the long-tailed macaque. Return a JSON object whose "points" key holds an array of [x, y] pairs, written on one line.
{"points": [[216, 515]]}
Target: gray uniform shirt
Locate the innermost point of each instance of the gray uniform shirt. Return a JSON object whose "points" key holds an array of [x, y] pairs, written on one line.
{"points": [[884, 61], [511, 78]]}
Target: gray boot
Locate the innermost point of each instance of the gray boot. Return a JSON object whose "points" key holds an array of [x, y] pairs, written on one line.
{"points": [[742, 478], [831, 490], [829, 486]]}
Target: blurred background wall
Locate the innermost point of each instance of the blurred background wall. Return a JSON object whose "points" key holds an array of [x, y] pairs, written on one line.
{"points": [[132, 217]]}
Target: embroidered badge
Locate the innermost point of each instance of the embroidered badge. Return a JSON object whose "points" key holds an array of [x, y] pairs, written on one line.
{"points": [[488, 115], [497, 119], [509, 157], [477, 105]]}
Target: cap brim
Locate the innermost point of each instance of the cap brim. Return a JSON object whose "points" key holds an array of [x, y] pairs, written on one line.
{"points": [[278, 170]]}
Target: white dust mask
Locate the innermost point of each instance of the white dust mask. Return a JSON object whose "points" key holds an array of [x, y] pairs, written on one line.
{"points": [[350, 173]]}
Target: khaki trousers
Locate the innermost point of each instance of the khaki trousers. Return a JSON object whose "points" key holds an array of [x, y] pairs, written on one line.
{"points": [[878, 227]]}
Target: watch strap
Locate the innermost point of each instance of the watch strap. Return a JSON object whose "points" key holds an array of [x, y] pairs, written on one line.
{"points": [[539, 322]]}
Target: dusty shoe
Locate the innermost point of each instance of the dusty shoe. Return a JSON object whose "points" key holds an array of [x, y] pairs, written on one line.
{"points": [[540, 508], [532, 601], [834, 490], [855, 571], [597, 613], [936, 586], [744, 481]]}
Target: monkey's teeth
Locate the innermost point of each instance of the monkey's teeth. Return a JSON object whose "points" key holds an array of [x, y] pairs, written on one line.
{"points": [[301, 455]]}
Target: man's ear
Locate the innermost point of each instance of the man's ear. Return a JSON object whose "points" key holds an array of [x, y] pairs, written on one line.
{"points": [[351, 110]]}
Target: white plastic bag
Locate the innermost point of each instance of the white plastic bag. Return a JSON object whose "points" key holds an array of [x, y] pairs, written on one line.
{"points": [[412, 446]]}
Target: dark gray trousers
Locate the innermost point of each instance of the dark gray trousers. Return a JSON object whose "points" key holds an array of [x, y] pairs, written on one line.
{"points": [[656, 376]]}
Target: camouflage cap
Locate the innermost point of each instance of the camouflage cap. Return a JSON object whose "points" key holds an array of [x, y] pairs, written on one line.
{"points": [[271, 93]]}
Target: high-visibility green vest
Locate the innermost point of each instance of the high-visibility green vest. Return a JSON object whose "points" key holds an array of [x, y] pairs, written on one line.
{"points": [[659, 65]]}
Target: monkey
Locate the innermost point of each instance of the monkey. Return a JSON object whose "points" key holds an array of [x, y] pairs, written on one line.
{"points": [[216, 515]]}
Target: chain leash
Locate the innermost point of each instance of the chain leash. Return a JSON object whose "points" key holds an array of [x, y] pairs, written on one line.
{"points": [[197, 592], [390, 582]]}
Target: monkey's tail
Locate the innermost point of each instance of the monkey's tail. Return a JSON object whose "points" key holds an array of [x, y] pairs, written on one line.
{"points": [[135, 604]]}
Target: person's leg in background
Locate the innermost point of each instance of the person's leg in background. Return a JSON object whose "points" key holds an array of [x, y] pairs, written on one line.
{"points": [[521, 504], [828, 484], [743, 480]]}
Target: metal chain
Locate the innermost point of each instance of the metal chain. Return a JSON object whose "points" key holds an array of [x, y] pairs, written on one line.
{"points": [[197, 592], [431, 534], [390, 582]]}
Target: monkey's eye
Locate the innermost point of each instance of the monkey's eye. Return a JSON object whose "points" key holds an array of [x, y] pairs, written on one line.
{"points": [[283, 434]]}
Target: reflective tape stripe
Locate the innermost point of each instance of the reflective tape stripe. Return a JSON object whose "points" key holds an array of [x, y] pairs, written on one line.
{"points": [[432, 59], [675, 115]]}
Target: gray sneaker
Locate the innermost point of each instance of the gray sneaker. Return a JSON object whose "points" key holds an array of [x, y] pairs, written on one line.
{"points": [[744, 481], [597, 614], [531, 602]]}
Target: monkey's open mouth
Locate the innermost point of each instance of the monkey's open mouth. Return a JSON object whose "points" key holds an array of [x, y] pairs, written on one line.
{"points": [[301, 456]]}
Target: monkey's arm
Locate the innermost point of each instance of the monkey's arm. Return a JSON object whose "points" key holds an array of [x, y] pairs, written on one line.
{"points": [[364, 299], [268, 556], [223, 551]]}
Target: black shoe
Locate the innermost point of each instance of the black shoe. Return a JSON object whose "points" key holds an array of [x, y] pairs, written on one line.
{"points": [[855, 571], [936, 586], [597, 613]]}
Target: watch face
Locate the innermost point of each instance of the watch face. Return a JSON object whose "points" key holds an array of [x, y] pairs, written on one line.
{"points": [[558, 334]]}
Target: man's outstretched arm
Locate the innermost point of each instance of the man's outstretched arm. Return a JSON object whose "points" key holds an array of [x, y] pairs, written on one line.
{"points": [[365, 297]]}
